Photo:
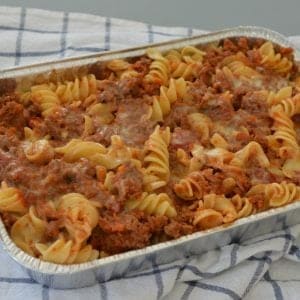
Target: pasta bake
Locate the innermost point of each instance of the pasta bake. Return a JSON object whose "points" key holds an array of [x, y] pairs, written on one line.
{"points": [[147, 149]]}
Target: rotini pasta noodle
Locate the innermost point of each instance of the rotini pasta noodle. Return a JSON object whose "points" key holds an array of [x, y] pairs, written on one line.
{"points": [[273, 61], [11, 200], [221, 204], [276, 194], [159, 68], [65, 252], [80, 216], [242, 205], [122, 68], [39, 152], [218, 141], [77, 90], [118, 153], [102, 112], [28, 230], [207, 218], [156, 204], [192, 54], [252, 150], [157, 159], [162, 105], [201, 124], [282, 94], [77, 149], [284, 138], [47, 99], [179, 68], [190, 187], [88, 126]]}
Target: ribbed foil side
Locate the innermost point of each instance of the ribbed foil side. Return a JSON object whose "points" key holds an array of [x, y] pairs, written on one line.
{"points": [[75, 276]]}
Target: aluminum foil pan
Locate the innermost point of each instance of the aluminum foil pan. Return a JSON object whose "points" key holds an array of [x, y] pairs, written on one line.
{"points": [[116, 266]]}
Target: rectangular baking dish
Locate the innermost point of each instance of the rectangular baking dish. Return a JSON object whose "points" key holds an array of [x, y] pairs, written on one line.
{"points": [[116, 266]]}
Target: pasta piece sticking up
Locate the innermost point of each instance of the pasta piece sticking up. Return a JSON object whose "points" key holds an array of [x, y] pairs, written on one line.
{"points": [[117, 153], [252, 150], [237, 66], [76, 149], [77, 90], [101, 112], [191, 54], [276, 194], [207, 218], [282, 94], [122, 68], [284, 139], [45, 98], [201, 124], [191, 187], [179, 68], [38, 152], [156, 159], [11, 200], [80, 216], [271, 60], [153, 204], [64, 251], [27, 231], [290, 106], [221, 204], [162, 105], [242, 205], [159, 68]]}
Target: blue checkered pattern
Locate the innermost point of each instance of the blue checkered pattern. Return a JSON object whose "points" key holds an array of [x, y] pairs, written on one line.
{"points": [[267, 267]]}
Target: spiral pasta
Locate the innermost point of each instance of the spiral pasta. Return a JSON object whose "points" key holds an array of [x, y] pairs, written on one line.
{"points": [[159, 68], [39, 152], [79, 214], [11, 200], [77, 90], [242, 205], [191, 54], [251, 150], [122, 68], [282, 94], [283, 139], [117, 153], [28, 230], [45, 98], [101, 112], [222, 205], [190, 187], [153, 204], [236, 64], [201, 124], [276, 194], [157, 159], [207, 218], [64, 251], [179, 68], [76, 149], [273, 61], [162, 105], [290, 106], [279, 194]]}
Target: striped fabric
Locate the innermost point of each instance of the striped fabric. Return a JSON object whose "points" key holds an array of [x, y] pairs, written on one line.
{"points": [[267, 267]]}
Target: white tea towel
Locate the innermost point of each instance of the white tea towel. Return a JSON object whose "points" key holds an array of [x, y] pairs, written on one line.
{"points": [[267, 267]]}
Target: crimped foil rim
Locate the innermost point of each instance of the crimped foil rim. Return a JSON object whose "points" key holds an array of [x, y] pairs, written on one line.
{"points": [[36, 264]]}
